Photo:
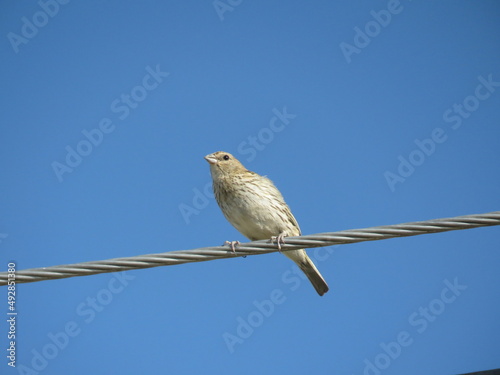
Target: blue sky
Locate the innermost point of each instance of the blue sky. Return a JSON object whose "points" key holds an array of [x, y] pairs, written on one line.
{"points": [[362, 114]]}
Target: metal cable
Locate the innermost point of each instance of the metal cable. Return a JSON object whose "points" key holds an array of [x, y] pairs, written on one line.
{"points": [[253, 248]]}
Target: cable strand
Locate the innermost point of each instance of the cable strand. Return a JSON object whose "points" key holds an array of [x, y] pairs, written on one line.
{"points": [[253, 248]]}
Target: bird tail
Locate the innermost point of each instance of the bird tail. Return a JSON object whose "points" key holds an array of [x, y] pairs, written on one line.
{"points": [[314, 276], [307, 266]]}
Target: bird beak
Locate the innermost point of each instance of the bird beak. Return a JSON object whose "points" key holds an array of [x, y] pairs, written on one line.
{"points": [[211, 159]]}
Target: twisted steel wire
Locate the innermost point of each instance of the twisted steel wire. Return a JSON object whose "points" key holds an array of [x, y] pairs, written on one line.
{"points": [[253, 248]]}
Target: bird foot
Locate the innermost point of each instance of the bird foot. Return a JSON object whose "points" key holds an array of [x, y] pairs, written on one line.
{"points": [[232, 244], [279, 239]]}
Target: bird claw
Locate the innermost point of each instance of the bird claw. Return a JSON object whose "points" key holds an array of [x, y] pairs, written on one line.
{"points": [[232, 244], [279, 239]]}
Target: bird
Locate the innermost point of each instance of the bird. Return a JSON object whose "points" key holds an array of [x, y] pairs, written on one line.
{"points": [[256, 208]]}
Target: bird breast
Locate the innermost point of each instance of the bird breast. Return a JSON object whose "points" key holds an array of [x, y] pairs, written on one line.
{"points": [[254, 206]]}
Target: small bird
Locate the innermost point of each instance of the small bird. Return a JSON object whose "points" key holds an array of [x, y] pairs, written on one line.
{"points": [[256, 208]]}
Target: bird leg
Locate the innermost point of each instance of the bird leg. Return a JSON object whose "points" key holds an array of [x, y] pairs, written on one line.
{"points": [[232, 244]]}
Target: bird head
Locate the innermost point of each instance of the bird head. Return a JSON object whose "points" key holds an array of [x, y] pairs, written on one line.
{"points": [[223, 163]]}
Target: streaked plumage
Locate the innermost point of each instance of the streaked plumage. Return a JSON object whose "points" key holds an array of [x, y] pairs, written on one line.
{"points": [[256, 208]]}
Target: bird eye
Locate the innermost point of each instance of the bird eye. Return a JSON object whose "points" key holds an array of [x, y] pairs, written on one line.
{"points": [[226, 157]]}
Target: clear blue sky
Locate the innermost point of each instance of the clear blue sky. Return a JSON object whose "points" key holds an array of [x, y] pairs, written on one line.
{"points": [[363, 114]]}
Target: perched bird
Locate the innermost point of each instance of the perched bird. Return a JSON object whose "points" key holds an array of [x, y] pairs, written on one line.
{"points": [[254, 206]]}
